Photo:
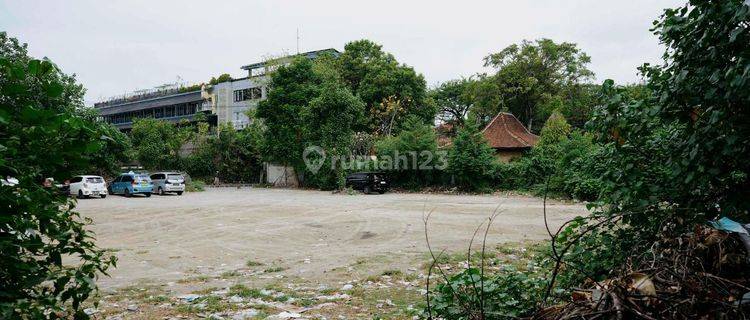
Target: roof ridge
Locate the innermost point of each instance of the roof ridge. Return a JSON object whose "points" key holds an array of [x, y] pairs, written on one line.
{"points": [[491, 122], [505, 125]]}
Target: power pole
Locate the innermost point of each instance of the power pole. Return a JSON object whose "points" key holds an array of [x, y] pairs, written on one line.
{"points": [[298, 40]]}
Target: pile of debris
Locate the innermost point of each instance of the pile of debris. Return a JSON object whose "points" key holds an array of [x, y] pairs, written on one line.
{"points": [[699, 275]]}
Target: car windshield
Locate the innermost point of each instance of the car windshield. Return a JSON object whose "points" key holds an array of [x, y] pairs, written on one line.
{"points": [[175, 177], [142, 178], [95, 180]]}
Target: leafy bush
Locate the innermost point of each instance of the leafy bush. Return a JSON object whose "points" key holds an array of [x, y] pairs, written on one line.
{"points": [[235, 154], [675, 155], [41, 135], [508, 293], [470, 159], [157, 143], [194, 185], [569, 159], [409, 149]]}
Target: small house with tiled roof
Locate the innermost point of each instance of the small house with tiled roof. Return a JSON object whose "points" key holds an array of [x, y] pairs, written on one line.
{"points": [[508, 136]]}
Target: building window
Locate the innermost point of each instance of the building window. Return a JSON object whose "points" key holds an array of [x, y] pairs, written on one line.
{"points": [[239, 95], [248, 94], [255, 93]]}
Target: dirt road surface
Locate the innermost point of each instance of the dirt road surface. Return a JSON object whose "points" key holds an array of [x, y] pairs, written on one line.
{"points": [[306, 233]]}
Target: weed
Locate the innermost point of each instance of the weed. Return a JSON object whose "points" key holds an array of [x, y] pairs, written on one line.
{"points": [[245, 292], [275, 269], [253, 263]]}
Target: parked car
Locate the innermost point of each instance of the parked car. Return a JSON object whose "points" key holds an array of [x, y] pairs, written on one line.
{"points": [[131, 183], [87, 186], [168, 182], [367, 182]]}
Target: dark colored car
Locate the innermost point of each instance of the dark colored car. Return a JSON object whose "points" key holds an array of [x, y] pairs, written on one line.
{"points": [[367, 182]]}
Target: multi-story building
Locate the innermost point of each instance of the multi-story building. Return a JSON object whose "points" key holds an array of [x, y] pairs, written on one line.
{"points": [[169, 104], [231, 100], [225, 102]]}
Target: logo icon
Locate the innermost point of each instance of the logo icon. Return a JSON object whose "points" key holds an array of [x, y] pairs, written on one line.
{"points": [[314, 157]]}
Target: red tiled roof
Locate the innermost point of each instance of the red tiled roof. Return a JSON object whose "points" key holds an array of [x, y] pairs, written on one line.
{"points": [[506, 132]]}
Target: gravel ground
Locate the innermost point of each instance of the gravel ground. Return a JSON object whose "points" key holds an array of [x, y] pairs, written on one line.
{"points": [[304, 234]]}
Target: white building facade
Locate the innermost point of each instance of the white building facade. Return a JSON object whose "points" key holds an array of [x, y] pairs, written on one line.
{"points": [[230, 101]]}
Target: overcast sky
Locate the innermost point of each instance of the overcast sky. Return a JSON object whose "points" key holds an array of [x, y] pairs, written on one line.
{"points": [[119, 46]]}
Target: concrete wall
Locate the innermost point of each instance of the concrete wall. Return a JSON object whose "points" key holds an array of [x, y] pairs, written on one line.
{"points": [[508, 155], [281, 176]]}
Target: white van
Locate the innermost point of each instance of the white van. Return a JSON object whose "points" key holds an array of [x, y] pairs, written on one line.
{"points": [[87, 186]]}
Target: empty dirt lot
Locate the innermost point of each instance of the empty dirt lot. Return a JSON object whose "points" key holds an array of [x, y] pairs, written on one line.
{"points": [[306, 233]]}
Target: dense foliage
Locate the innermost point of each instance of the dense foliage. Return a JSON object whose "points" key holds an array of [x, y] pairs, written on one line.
{"points": [[231, 155], [390, 91], [677, 155], [330, 120], [411, 155], [157, 143], [453, 101], [293, 87], [663, 159], [530, 78], [470, 159], [41, 136]]}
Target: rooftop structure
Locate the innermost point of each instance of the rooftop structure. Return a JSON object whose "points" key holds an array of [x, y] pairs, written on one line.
{"points": [[225, 102], [505, 132], [260, 68]]}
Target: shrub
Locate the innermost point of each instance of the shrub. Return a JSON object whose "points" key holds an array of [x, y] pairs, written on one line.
{"points": [[417, 145], [41, 136], [509, 293], [195, 186], [568, 159], [470, 159]]}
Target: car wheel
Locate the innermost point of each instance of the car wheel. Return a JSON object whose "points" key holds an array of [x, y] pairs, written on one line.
{"points": [[103, 196], [127, 193], [161, 191], [148, 194], [80, 194], [366, 190], [381, 191], [179, 193]]}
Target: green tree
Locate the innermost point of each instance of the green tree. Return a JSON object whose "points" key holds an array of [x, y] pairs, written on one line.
{"points": [[293, 87], [530, 74], [453, 100], [409, 150], [235, 154], [555, 130], [156, 143], [116, 151], [391, 91], [331, 118], [470, 159], [676, 153], [42, 136], [224, 77], [693, 124]]}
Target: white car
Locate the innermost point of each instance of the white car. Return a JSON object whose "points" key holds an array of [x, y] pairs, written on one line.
{"points": [[168, 182], [87, 186]]}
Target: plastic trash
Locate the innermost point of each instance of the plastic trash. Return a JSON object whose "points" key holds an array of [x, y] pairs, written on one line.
{"points": [[190, 297], [729, 225]]}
